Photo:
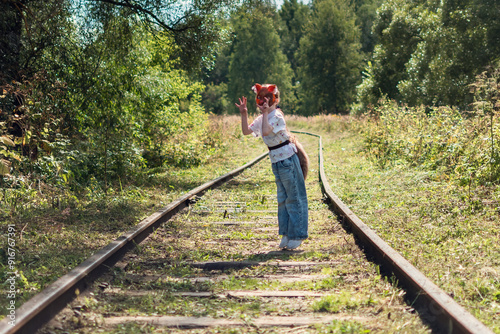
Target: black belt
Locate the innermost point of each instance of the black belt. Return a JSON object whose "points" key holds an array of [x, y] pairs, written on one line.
{"points": [[279, 145]]}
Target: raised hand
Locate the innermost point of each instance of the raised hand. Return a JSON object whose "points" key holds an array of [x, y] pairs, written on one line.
{"points": [[243, 105]]}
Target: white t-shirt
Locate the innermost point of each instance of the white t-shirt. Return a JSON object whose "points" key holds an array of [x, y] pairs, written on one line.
{"points": [[278, 136]]}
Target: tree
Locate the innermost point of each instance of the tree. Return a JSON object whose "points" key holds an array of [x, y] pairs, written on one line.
{"points": [[294, 16], [456, 44], [397, 38], [215, 77], [366, 12], [329, 58], [428, 52], [33, 116], [31, 26], [124, 86], [256, 56], [193, 25], [10, 40], [138, 110]]}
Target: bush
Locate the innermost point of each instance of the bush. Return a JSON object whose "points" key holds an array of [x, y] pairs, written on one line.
{"points": [[33, 125], [215, 100], [463, 145]]}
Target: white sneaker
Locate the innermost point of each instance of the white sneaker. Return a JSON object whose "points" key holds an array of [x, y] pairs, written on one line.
{"points": [[292, 244], [284, 242]]}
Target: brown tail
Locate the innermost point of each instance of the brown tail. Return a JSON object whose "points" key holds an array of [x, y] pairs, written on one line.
{"points": [[303, 157]]}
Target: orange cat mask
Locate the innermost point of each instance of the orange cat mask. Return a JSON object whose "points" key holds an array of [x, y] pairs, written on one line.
{"points": [[265, 91]]}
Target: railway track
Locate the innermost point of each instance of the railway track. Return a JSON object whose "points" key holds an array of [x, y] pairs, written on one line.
{"points": [[211, 264]]}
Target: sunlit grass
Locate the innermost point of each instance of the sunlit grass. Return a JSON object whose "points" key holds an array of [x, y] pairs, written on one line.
{"points": [[447, 230], [57, 230]]}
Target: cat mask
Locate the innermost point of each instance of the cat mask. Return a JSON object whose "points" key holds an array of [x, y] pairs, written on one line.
{"points": [[265, 91]]}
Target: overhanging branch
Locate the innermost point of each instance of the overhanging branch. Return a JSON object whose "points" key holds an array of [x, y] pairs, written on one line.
{"points": [[150, 15]]}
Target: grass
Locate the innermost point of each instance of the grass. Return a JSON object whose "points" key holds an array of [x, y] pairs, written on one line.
{"points": [[57, 230], [448, 231], [336, 303]]}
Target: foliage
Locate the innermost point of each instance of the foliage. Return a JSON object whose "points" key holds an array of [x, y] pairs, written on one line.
{"points": [[256, 55], [214, 98], [366, 13], [215, 77], [34, 129], [397, 40], [123, 107], [428, 52], [37, 28], [111, 97], [107, 125], [462, 145], [294, 16], [29, 28], [329, 58], [142, 111]]}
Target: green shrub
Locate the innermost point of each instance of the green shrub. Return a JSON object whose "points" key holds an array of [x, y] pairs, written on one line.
{"points": [[462, 145]]}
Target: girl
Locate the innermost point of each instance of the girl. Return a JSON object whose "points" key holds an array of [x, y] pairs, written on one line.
{"points": [[287, 169]]}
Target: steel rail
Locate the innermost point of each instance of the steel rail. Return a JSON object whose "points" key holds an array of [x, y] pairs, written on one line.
{"points": [[40, 309], [435, 306]]}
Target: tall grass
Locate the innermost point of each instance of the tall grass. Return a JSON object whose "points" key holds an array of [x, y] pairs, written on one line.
{"points": [[463, 145]]}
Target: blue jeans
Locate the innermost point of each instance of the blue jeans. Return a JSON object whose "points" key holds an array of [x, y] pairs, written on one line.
{"points": [[292, 198]]}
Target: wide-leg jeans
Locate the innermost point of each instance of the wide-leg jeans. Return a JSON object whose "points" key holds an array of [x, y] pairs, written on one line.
{"points": [[292, 198]]}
